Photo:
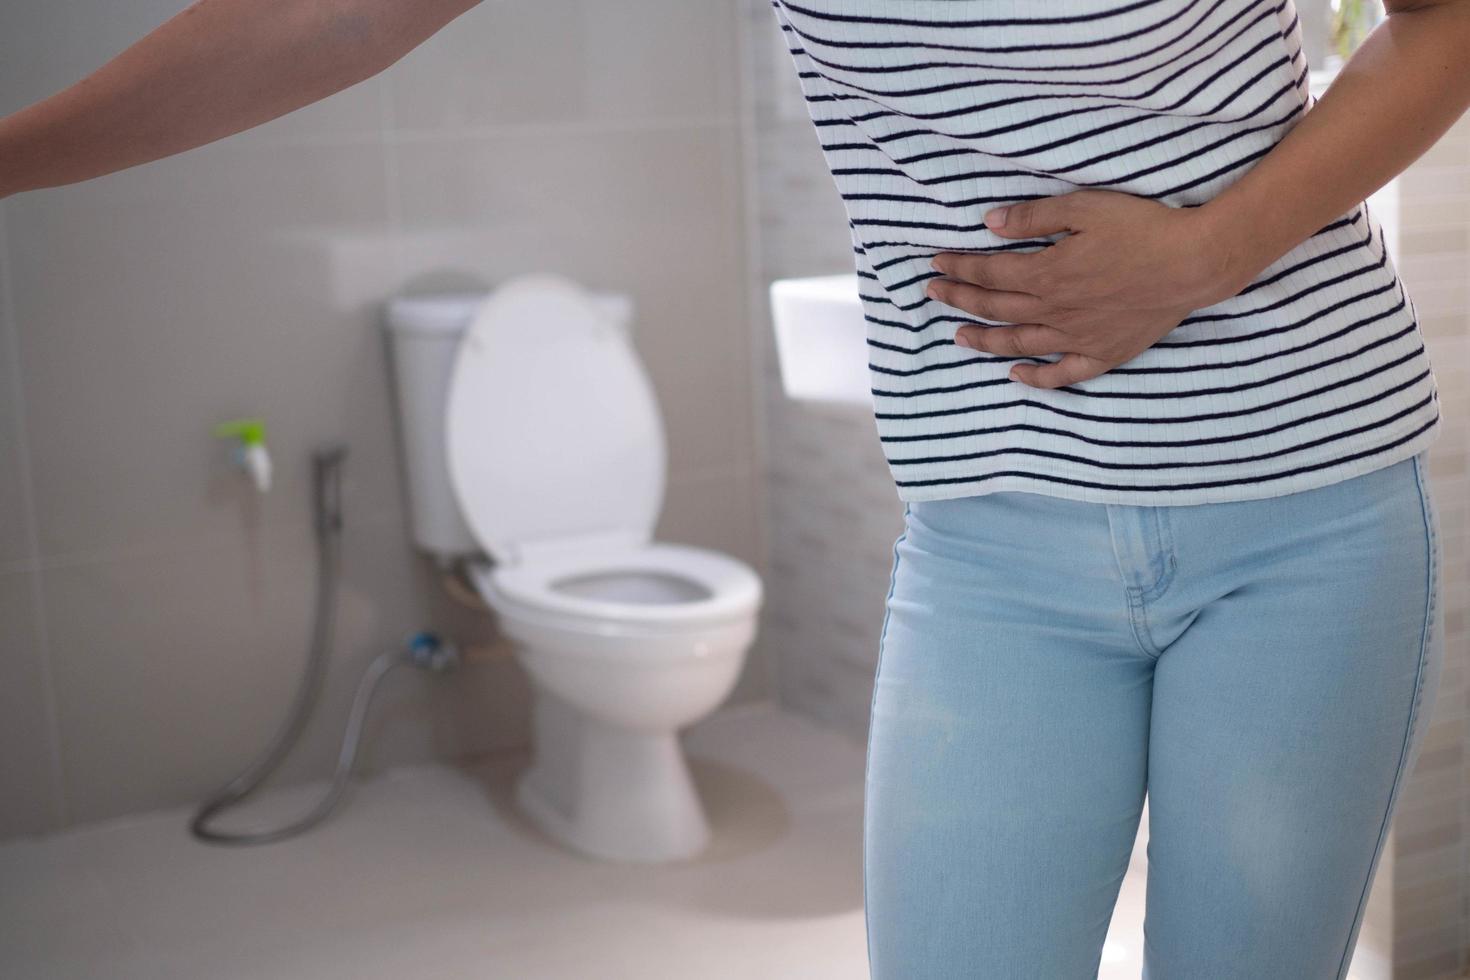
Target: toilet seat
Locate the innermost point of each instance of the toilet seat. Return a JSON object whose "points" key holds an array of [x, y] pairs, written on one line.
{"points": [[647, 584], [557, 457], [553, 432]]}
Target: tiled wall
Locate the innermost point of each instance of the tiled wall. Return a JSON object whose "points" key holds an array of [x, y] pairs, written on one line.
{"points": [[833, 514], [153, 612]]}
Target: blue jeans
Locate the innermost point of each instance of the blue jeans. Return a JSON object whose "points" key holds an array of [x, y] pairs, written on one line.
{"points": [[1262, 669]]}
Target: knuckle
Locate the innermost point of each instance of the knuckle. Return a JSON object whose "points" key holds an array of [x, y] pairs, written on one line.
{"points": [[1044, 279], [971, 269], [1033, 311], [1062, 317], [1061, 285], [1085, 369]]}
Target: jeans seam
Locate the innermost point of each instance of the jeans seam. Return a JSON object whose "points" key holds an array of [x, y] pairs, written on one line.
{"points": [[1425, 639], [1164, 536], [1157, 589], [1138, 619], [872, 703]]}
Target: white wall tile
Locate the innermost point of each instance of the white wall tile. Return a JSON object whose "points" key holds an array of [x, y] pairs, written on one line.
{"points": [[581, 62], [656, 216], [30, 791], [16, 544], [154, 303]]}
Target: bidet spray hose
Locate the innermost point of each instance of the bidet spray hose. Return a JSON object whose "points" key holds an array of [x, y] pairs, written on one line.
{"points": [[327, 494]]}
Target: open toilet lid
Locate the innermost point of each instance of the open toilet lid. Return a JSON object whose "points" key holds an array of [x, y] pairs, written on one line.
{"points": [[553, 428]]}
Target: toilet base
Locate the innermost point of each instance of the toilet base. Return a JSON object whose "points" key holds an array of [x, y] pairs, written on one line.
{"points": [[610, 793]]}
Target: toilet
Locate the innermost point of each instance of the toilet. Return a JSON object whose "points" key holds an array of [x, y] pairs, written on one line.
{"points": [[536, 461]]}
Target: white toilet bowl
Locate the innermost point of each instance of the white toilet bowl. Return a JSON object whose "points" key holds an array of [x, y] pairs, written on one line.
{"points": [[624, 647], [556, 454]]}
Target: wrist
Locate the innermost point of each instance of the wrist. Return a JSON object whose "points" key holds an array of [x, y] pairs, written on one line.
{"points": [[1230, 255]]}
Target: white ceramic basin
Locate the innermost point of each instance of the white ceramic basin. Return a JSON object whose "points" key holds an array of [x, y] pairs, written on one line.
{"points": [[822, 339]]}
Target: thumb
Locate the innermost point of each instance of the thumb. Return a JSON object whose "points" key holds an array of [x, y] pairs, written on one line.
{"points": [[1043, 216]]}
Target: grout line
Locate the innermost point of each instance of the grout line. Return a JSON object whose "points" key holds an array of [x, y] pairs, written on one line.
{"points": [[17, 566], [392, 185], [755, 321], [389, 517], [10, 338], [452, 134], [649, 124]]}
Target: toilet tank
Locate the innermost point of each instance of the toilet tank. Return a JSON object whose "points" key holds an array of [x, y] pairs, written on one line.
{"points": [[424, 333], [423, 337]]}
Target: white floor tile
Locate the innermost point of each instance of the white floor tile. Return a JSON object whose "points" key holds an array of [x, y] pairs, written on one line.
{"points": [[429, 872]]}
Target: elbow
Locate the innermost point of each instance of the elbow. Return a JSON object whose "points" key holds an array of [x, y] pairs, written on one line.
{"points": [[354, 33], [351, 27], [344, 40], [373, 34]]}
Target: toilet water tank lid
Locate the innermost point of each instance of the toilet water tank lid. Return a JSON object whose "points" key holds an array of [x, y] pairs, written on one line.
{"points": [[553, 428], [438, 313]]}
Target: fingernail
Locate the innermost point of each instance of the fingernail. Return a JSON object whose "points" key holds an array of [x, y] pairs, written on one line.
{"points": [[931, 291], [996, 218], [963, 340], [937, 264]]}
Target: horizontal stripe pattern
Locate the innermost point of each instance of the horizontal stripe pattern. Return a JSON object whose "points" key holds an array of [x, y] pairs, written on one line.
{"points": [[931, 112]]}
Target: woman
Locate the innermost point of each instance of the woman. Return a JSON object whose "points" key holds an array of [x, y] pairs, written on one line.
{"points": [[1156, 403]]}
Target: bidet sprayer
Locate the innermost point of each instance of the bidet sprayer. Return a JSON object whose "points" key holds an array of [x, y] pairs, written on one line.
{"points": [[250, 453]]}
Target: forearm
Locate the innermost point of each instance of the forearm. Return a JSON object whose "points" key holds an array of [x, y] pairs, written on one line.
{"points": [[1394, 98], [217, 68]]}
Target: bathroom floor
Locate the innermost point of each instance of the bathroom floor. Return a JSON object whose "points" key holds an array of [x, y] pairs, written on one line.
{"points": [[428, 872]]}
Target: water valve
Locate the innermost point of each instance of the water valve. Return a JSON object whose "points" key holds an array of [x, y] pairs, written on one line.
{"points": [[250, 452]]}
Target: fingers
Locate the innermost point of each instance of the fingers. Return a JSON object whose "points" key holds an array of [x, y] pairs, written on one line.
{"points": [[1022, 340], [1012, 271], [988, 304], [1071, 369], [1033, 340], [1042, 216]]}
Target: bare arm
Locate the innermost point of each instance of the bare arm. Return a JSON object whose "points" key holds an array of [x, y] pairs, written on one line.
{"points": [[1403, 88], [217, 68]]}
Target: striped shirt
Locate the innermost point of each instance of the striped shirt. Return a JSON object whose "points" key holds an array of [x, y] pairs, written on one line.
{"points": [[931, 112]]}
